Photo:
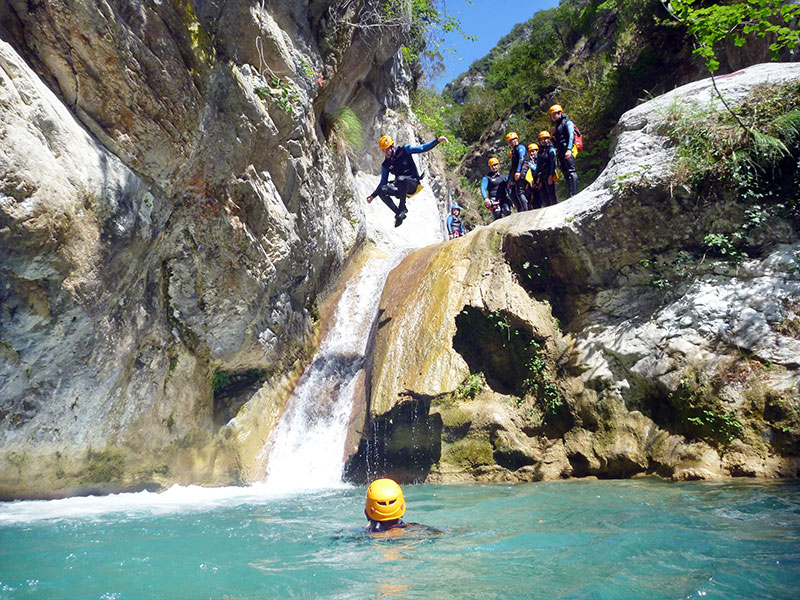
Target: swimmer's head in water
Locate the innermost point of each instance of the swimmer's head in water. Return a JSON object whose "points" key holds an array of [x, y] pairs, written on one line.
{"points": [[385, 501]]}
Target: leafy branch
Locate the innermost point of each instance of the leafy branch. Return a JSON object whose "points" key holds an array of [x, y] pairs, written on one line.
{"points": [[709, 25], [281, 91]]}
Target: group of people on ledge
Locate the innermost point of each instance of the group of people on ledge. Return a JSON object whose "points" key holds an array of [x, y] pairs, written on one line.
{"points": [[531, 179], [530, 182]]}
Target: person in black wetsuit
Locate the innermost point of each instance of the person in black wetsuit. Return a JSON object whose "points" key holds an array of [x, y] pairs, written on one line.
{"points": [[493, 190], [455, 228], [385, 506], [563, 141], [516, 184], [545, 173], [528, 174], [398, 162]]}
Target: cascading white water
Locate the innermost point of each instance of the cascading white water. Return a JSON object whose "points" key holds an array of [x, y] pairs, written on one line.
{"points": [[307, 447]]}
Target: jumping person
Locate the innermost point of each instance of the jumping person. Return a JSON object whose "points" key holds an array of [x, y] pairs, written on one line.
{"points": [[493, 190], [455, 228], [563, 140], [398, 162], [545, 174], [516, 184]]}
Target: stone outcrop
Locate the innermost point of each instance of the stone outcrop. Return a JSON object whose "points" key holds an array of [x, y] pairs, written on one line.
{"points": [[591, 338], [170, 215]]}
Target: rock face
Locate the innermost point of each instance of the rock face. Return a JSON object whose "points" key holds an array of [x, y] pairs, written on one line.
{"points": [[170, 213], [590, 338]]}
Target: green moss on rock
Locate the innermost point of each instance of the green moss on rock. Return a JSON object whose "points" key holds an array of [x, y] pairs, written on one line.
{"points": [[104, 467], [468, 454]]}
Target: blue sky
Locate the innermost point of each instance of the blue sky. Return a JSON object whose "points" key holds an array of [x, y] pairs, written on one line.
{"points": [[489, 20]]}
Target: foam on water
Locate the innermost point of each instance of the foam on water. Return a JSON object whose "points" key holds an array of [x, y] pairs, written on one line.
{"points": [[177, 499], [306, 450]]}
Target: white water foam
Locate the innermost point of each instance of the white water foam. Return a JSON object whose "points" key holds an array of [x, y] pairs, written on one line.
{"points": [[177, 499], [307, 447]]}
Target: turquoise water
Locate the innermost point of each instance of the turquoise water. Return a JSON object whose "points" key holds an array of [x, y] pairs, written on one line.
{"points": [[574, 539]]}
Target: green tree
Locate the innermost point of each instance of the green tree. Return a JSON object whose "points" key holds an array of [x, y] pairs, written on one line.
{"points": [[711, 23]]}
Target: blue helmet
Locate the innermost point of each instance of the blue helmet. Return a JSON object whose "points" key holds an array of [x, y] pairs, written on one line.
{"points": [[454, 207]]}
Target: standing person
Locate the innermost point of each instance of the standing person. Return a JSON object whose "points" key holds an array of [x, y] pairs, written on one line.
{"points": [[546, 170], [398, 162], [455, 228], [528, 174], [493, 190], [516, 184], [564, 140]]}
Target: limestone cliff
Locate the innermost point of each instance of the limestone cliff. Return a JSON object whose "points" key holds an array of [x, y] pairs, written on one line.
{"points": [[170, 213], [538, 347]]}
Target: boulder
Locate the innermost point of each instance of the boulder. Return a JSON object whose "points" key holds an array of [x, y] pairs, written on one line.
{"points": [[539, 347]]}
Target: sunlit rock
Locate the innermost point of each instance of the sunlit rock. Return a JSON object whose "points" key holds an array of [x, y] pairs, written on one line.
{"points": [[542, 346]]}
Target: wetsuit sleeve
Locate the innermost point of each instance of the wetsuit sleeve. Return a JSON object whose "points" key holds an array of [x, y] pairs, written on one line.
{"points": [[384, 179], [570, 135], [485, 187], [552, 152], [520, 150], [450, 224], [423, 148]]}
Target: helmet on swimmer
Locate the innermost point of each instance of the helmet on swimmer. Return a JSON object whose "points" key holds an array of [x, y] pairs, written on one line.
{"points": [[533, 147], [385, 142], [385, 501], [493, 161], [544, 135], [556, 108], [454, 206], [512, 135]]}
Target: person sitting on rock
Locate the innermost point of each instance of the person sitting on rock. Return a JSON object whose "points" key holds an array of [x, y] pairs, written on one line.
{"points": [[455, 228], [493, 190], [398, 162]]}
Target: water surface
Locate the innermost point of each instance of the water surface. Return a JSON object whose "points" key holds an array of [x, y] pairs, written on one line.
{"points": [[576, 539]]}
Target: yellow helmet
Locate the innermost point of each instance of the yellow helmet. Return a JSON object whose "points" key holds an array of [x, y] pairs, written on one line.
{"points": [[511, 135], [544, 135], [533, 147], [556, 108], [493, 161], [385, 142], [385, 500]]}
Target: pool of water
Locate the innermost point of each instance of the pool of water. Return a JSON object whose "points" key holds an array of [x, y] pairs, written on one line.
{"points": [[575, 539]]}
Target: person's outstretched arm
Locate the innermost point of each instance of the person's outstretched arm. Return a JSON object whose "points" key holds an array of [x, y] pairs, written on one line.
{"points": [[425, 147]]}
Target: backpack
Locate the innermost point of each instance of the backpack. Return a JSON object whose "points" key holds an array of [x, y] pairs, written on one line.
{"points": [[578, 145]]}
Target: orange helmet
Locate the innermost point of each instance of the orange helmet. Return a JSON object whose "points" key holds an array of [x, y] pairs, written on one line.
{"points": [[533, 147], [555, 108], [512, 135], [544, 135], [493, 161], [385, 501], [385, 142]]}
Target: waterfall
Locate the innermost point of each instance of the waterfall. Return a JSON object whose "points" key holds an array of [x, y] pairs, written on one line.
{"points": [[306, 449]]}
